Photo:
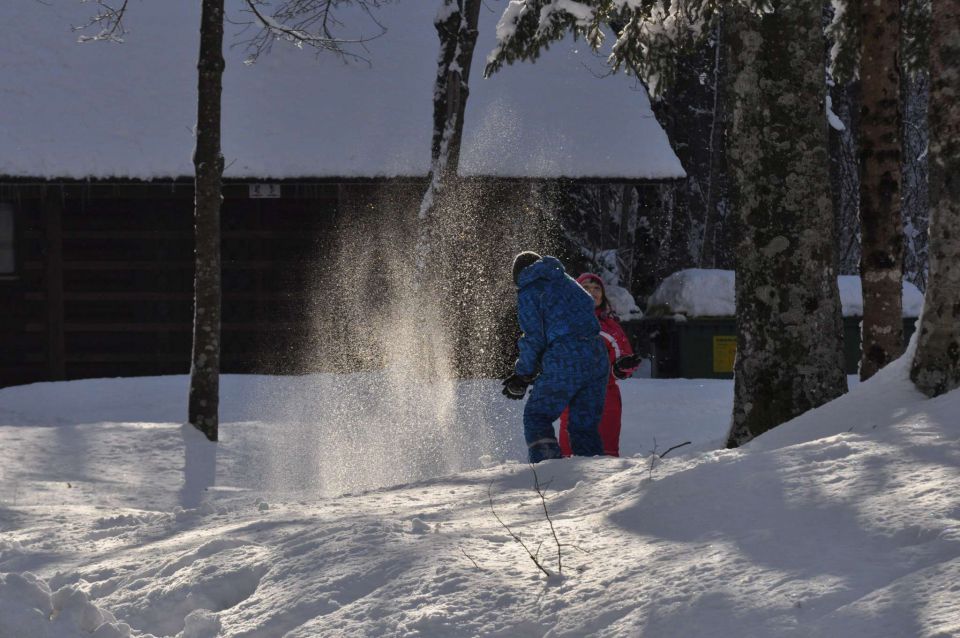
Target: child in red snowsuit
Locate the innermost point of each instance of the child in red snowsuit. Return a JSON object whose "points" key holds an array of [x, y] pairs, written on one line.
{"points": [[617, 346]]}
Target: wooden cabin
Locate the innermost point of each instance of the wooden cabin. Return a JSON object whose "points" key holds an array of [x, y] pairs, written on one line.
{"points": [[96, 189]]}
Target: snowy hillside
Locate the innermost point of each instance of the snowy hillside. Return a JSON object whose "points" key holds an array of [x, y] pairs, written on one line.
{"points": [[845, 522]]}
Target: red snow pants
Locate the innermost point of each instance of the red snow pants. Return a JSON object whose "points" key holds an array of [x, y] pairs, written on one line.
{"points": [[609, 424]]}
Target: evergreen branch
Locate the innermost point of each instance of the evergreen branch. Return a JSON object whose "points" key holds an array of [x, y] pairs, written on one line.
{"points": [[651, 34]]}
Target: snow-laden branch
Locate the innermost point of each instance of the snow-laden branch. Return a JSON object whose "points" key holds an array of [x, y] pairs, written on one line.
{"points": [[650, 34], [108, 19]]}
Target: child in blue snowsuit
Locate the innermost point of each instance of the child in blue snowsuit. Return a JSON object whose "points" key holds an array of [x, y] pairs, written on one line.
{"points": [[562, 354]]}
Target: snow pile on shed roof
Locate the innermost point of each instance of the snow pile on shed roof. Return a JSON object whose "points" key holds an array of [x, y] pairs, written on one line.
{"points": [[704, 292], [100, 110], [697, 292], [851, 295]]}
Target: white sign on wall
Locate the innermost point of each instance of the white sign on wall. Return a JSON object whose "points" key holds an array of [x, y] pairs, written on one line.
{"points": [[264, 191]]}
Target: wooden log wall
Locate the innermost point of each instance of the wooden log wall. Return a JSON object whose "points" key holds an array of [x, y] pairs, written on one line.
{"points": [[104, 284], [23, 355]]}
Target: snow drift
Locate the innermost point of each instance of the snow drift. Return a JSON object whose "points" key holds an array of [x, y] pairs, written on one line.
{"points": [[844, 522]]}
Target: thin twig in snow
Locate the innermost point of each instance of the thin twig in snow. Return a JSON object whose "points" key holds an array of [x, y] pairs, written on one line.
{"points": [[513, 535], [674, 448], [464, 552], [543, 502], [654, 459]]}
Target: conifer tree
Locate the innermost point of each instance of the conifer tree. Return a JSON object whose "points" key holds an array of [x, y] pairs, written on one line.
{"points": [[789, 356], [915, 156], [881, 261], [789, 339], [936, 365]]}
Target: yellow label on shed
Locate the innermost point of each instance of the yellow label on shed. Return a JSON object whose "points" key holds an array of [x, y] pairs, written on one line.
{"points": [[724, 352]]}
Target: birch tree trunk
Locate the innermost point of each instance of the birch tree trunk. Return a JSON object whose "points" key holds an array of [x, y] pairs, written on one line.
{"points": [[457, 28], [208, 164], [936, 365], [881, 261], [789, 337], [446, 217]]}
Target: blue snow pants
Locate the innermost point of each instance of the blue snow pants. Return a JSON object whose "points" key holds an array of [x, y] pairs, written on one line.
{"points": [[573, 373]]}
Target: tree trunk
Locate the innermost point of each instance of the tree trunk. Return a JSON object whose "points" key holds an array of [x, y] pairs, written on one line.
{"points": [[691, 112], [843, 114], [789, 337], [936, 366], [208, 163], [915, 136], [458, 36], [881, 261], [845, 177], [915, 176], [717, 229], [447, 215]]}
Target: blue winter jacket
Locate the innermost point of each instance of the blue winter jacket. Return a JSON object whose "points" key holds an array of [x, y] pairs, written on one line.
{"points": [[551, 307]]}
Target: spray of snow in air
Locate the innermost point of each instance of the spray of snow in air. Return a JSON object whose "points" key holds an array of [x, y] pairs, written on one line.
{"points": [[392, 393]]}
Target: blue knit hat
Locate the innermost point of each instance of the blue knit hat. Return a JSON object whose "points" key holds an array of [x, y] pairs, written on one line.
{"points": [[521, 261]]}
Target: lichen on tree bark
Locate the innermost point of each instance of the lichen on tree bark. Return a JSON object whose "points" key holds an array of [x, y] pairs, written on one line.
{"points": [[204, 401], [789, 342], [936, 365]]}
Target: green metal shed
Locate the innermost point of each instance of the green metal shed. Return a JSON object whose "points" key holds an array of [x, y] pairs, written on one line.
{"points": [[705, 347]]}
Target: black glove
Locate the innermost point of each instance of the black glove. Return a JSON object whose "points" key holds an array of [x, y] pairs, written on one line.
{"points": [[622, 367], [515, 386]]}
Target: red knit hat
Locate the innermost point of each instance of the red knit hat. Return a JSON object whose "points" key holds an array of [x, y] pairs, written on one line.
{"points": [[589, 276], [604, 301]]}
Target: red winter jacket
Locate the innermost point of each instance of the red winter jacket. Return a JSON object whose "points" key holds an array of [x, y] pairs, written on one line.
{"points": [[617, 346], [616, 339]]}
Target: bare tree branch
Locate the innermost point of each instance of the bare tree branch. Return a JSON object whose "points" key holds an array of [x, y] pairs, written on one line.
{"points": [[310, 23], [108, 19]]}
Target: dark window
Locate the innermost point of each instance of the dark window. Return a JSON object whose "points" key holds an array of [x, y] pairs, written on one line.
{"points": [[7, 261]]}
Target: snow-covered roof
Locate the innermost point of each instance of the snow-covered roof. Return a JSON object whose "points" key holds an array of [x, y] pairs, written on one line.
{"points": [[702, 292], [105, 110]]}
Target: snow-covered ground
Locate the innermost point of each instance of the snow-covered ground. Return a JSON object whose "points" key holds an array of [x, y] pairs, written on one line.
{"points": [[318, 521]]}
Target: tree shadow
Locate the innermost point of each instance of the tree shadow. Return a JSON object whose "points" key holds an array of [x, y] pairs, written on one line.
{"points": [[794, 517], [199, 468]]}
